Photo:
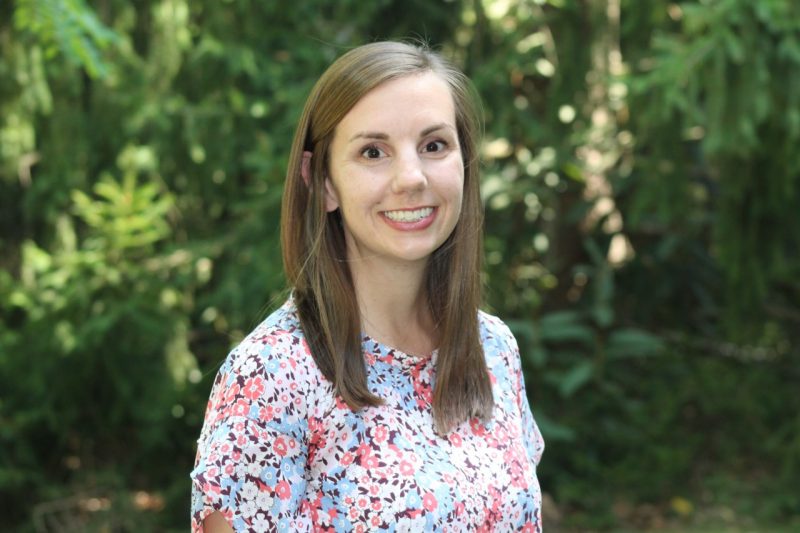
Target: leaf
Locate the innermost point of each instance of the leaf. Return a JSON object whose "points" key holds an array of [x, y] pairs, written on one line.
{"points": [[565, 326], [69, 27], [632, 342], [576, 378], [734, 47]]}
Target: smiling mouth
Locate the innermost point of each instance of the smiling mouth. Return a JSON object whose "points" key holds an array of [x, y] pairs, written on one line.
{"points": [[409, 215]]}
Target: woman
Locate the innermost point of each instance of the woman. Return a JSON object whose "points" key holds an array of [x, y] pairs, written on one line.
{"points": [[378, 397]]}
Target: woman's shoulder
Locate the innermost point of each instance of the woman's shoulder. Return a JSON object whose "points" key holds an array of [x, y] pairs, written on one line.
{"points": [[493, 330], [274, 357], [269, 376], [499, 345], [278, 338]]}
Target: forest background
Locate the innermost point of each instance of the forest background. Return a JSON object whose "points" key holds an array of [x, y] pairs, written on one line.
{"points": [[642, 189]]}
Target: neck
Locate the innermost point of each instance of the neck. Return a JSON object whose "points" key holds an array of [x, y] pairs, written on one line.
{"points": [[393, 304]]}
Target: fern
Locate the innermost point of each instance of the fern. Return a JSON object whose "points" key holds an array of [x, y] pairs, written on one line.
{"points": [[68, 28]]}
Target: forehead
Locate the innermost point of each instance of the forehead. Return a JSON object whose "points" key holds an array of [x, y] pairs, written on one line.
{"points": [[409, 101]]}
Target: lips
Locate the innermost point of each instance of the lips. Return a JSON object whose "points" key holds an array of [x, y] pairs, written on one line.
{"points": [[409, 215]]}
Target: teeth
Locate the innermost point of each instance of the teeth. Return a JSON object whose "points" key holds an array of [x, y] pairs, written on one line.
{"points": [[409, 216]]}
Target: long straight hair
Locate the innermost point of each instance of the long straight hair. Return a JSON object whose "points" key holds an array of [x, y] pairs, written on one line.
{"points": [[314, 251]]}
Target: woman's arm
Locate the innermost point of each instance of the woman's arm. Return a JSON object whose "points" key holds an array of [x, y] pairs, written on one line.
{"points": [[214, 523], [252, 454]]}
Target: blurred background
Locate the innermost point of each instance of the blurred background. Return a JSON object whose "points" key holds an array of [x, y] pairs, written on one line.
{"points": [[642, 189]]}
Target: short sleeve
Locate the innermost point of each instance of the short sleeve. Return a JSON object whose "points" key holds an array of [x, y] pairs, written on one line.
{"points": [[534, 442], [252, 452]]}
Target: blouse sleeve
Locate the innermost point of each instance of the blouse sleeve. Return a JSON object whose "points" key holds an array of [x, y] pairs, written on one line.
{"points": [[534, 443], [252, 451]]}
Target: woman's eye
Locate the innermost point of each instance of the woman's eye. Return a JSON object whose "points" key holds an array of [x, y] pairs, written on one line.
{"points": [[435, 146], [372, 152]]}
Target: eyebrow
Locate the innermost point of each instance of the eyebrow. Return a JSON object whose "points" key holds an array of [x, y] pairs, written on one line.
{"points": [[383, 136]]}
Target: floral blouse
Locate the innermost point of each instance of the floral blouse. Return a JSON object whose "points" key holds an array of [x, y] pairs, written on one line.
{"points": [[280, 451]]}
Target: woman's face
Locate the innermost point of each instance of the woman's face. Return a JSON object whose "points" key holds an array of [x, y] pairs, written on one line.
{"points": [[396, 171]]}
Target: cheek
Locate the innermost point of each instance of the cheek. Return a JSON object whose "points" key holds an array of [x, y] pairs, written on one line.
{"points": [[453, 182], [356, 196]]}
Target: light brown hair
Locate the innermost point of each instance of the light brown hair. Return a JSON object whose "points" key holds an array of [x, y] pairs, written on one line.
{"points": [[314, 252]]}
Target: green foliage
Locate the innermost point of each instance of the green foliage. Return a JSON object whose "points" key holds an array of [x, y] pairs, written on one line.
{"points": [[68, 28], [716, 80], [641, 191], [92, 314]]}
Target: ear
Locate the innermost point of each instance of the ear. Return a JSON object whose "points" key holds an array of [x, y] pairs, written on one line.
{"points": [[305, 167], [331, 196]]}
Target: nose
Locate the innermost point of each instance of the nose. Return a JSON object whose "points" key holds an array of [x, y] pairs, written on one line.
{"points": [[409, 173]]}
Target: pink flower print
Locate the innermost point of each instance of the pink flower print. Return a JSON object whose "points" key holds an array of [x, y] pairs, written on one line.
{"points": [[241, 408], [494, 494], [363, 449], [360, 528], [283, 490], [353, 513], [427, 393], [477, 427], [429, 502], [424, 395], [232, 392], [501, 434], [375, 520], [376, 505], [406, 468], [455, 439], [266, 413], [362, 502], [380, 434], [347, 459], [280, 446], [253, 387], [529, 527], [370, 461], [516, 469]]}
